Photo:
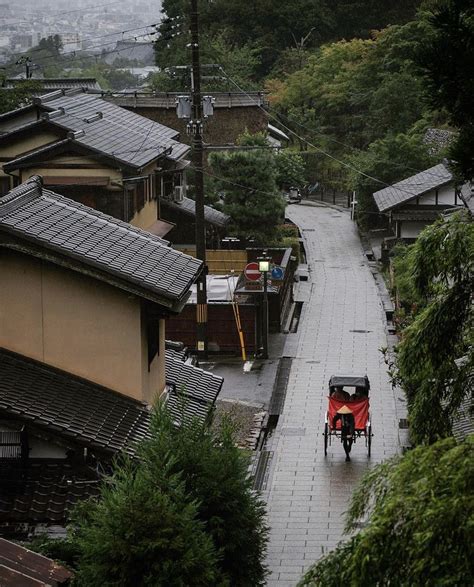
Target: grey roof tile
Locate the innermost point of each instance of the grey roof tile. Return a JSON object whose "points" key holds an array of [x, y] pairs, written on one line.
{"points": [[188, 206], [78, 409], [110, 245], [126, 136], [194, 391], [412, 187]]}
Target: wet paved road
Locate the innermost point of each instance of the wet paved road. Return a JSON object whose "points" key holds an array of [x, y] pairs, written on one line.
{"points": [[341, 330]]}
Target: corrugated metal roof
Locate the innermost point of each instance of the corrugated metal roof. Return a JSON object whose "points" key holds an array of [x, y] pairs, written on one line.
{"points": [[188, 206], [22, 567], [127, 137], [96, 239], [69, 406], [412, 187]]}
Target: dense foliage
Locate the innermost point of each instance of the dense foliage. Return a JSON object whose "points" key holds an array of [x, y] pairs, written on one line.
{"points": [[251, 198], [273, 26], [10, 99], [184, 514], [385, 161], [448, 60], [420, 522], [442, 274], [144, 530], [363, 106]]}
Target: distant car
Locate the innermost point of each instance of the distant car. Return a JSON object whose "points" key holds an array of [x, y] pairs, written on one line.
{"points": [[293, 195]]}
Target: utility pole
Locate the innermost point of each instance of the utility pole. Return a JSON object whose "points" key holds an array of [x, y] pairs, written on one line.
{"points": [[26, 62], [197, 160]]}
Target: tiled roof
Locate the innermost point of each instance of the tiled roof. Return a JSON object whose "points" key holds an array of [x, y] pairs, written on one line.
{"points": [[115, 248], [463, 421], [176, 350], [224, 100], [412, 187], [69, 406], [44, 491], [467, 196], [188, 206], [59, 83], [195, 390], [20, 566], [112, 130]]}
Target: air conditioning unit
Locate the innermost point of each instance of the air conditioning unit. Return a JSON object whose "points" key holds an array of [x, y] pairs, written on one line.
{"points": [[179, 192]]}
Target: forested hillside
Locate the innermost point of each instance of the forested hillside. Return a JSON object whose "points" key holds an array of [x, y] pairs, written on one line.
{"points": [[355, 84]]}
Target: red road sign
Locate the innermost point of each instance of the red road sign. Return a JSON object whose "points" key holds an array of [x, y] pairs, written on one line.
{"points": [[251, 272]]}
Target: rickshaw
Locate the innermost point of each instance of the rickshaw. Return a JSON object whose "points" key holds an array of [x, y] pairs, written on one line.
{"points": [[358, 404]]}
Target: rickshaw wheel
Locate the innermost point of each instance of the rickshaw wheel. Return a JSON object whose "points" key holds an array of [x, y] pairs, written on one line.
{"points": [[369, 439], [326, 434]]}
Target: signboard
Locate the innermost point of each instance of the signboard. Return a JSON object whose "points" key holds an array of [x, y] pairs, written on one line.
{"points": [[253, 286], [251, 272]]}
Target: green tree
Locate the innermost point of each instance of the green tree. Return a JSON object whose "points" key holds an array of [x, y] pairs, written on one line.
{"points": [[215, 476], [184, 513], [52, 44], [291, 169], [275, 26], [448, 60], [144, 530], [442, 265], [386, 161], [19, 96], [252, 200], [420, 522]]}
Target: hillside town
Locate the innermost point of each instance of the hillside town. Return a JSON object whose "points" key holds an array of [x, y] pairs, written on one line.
{"points": [[79, 26], [236, 280]]}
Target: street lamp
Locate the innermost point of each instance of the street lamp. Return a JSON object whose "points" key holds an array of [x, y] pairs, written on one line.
{"points": [[264, 268]]}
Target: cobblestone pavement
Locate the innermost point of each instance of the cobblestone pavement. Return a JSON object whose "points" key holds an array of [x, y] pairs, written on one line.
{"points": [[341, 330]]}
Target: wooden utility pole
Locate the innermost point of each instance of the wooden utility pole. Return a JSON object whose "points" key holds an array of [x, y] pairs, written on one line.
{"points": [[197, 160]]}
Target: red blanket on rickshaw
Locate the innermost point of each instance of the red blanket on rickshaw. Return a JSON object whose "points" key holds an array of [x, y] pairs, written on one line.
{"points": [[359, 407]]}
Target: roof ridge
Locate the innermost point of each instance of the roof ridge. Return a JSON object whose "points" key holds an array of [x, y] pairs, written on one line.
{"points": [[22, 194], [185, 365]]}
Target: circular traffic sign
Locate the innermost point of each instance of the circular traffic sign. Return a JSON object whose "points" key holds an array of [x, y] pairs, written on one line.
{"points": [[251, 272], [277, 273]]}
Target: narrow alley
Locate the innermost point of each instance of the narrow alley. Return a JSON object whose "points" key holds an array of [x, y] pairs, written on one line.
{"points": [[341, 330]]}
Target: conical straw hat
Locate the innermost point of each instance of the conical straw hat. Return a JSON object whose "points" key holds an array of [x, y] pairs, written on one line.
{"points": [[344, 410]]}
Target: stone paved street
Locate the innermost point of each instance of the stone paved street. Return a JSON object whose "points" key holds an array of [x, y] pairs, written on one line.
{"points": [[307, 494]]}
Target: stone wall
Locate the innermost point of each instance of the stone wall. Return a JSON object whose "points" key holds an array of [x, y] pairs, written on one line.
{"points": [[222, 128]]}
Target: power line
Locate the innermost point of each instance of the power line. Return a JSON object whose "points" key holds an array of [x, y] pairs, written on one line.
{"points": [[37, 49], [318, 149], [75, 54], [332, 139], [95, 6]]}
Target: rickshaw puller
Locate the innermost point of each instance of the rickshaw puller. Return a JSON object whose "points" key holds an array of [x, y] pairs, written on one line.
{"points": [[347, 428]]}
